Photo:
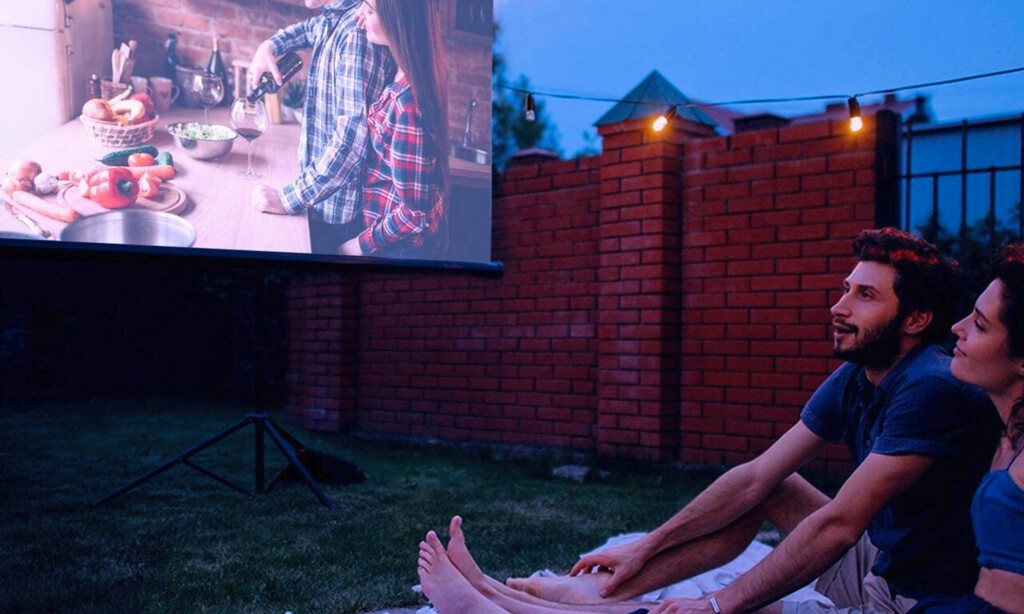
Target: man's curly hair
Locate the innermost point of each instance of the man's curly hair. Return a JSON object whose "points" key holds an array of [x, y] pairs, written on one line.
{"points": [[925, 280]]}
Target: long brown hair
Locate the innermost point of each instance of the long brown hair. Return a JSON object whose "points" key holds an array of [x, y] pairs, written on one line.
{"points": [[1008, 267], [413, 28]]}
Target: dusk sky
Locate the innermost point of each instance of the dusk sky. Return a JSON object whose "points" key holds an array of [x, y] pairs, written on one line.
{"points": [[721, 50]]}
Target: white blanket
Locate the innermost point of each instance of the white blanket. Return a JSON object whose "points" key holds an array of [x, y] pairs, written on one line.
{"points": [[703, 584]]}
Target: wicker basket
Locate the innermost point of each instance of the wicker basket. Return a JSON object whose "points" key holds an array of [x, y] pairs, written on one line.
{"points": [[116, 135]]}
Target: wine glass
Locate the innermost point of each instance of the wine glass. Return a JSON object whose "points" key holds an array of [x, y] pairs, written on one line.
{"points": [[208, 90], [250, 121]]}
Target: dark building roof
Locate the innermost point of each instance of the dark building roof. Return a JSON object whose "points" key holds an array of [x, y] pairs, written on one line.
{"points": [[655, 94], [652, 97]]}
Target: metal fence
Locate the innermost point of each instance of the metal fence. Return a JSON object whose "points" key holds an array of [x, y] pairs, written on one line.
{"points": [[964, 181]]}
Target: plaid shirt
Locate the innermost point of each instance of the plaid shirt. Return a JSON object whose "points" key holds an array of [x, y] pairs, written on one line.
{"points": [[344, 73], [403, 207]]}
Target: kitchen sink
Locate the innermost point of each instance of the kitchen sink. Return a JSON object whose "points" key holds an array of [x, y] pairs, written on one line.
{"points": [[470, 154]]}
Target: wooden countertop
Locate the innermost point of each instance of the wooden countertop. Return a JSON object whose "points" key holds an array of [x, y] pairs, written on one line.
{"points": [[218, 195]]}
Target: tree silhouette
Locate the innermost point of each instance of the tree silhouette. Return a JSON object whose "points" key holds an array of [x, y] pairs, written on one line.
{"points": [[510, 130]]}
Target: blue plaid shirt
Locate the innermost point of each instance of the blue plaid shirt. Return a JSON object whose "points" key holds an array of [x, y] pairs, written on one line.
{"points": [[346, 73]]}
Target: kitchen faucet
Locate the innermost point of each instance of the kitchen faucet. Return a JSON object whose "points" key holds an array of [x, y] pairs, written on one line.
{"points": [[466, 138]]}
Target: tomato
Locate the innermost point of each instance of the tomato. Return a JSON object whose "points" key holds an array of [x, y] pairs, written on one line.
{"points": [[140, 159]]}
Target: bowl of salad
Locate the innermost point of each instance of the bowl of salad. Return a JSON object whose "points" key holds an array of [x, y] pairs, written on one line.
{"points": [[202, 141]]}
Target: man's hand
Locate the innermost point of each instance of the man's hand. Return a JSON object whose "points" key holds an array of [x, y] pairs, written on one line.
{"points": [[351, 248], [263, 60], [684, 606], [623, 561], [266, 200]]}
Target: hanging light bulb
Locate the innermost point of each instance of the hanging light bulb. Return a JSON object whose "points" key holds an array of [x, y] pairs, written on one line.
{"points": [[856, 122], [531, 108], [663, 119]]}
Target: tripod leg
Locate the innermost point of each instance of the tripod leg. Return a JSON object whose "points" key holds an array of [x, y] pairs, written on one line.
{"points": [[290, 454], [174, 461], [259, 456]]}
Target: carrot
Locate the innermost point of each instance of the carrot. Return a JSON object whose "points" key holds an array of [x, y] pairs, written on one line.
{"points": [[165, 172], [33, 202]]}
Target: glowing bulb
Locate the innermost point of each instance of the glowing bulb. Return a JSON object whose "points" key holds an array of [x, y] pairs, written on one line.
{"points": [[663, 119], [531, 108], [856, 122]]}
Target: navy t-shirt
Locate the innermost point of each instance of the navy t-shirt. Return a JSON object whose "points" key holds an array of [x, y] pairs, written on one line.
{"points": [[924, 535]]}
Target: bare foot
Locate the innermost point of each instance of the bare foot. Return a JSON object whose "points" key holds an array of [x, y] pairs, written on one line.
{"points": [[460, 556], [447, 589], [515, 601], [582, 589]]}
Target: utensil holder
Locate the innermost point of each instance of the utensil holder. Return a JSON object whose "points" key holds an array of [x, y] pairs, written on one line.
{"points": [[109, 89]]}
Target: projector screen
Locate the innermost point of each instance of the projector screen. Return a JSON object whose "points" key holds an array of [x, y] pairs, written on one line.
{"points": [[66, 187]]}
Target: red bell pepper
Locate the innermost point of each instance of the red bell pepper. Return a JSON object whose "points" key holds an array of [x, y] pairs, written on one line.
{"points": [[113, 188], [149, 185]]}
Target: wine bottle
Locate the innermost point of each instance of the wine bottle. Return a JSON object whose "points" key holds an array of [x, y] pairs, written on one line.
{"points": [[216, 67], [288, 64], [171, 59]]}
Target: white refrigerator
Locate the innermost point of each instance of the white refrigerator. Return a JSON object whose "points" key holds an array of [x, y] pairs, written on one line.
{"points": [[49, 49]]}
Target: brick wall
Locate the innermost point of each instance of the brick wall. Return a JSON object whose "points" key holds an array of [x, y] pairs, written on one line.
{"points": [[666, 300], [241, 25]]}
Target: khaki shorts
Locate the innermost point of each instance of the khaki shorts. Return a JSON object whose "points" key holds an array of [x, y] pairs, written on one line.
{"points": [[853, 588]]}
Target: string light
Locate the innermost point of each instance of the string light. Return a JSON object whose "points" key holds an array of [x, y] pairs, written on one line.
{"points": [[663, 119], [856, 122]]}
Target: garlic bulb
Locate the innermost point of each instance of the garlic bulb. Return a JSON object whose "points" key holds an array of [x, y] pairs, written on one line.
{"points": [[45, 183]]}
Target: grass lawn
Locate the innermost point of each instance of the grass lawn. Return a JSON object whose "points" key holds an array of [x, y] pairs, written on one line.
{"points": [[185, 543]]}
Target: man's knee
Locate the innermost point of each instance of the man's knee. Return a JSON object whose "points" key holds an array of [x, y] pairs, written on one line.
{"points": [[791, 502]]}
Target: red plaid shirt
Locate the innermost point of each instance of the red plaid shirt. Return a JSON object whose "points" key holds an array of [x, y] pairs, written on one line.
{"points": [[403, 207]]}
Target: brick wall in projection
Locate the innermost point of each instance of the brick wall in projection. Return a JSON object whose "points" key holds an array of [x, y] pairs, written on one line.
{"points": [[241, 25], [664, 301]]}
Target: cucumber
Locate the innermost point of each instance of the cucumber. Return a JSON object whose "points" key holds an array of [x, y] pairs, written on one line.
{"points": [[120, 157], [164, 159]]}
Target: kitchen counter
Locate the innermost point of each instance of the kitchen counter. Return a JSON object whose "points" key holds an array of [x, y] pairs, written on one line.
{"points": [[218, 195]]}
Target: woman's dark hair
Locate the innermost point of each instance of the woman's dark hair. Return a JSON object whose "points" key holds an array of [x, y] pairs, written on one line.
{"points": [[413, 28], [925, 281], [1008, 267]]}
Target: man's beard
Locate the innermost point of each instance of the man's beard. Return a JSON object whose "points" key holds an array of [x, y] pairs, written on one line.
{"points": [[879, 348]]}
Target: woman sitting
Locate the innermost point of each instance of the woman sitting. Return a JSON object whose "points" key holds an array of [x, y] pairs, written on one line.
{"points": [[990, 354]]}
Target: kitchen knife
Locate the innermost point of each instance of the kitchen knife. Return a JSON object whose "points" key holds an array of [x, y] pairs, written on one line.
{"points": [[28, 222]]}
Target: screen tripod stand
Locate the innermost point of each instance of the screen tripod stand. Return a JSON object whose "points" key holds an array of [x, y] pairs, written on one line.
{"points": [[286, 443], [264, 426]]}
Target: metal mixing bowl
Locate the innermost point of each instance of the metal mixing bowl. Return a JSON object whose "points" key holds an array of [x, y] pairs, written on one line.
{"points": [[131, 227], [202, 141]]}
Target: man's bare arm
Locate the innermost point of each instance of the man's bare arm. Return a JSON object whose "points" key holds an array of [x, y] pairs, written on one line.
{"points": [[733, 494], [824, 537]]}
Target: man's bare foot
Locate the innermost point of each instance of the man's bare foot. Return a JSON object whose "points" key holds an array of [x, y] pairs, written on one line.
{"points": [[514, 601], [462, 559], [447, 589], [582, 589]]}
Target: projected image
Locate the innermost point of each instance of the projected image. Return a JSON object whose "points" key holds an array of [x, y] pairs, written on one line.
{"points": [[346, 130]]}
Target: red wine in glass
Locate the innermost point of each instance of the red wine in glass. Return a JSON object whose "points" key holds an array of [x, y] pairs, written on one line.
{"points": [[250, 120], [248, 134]]}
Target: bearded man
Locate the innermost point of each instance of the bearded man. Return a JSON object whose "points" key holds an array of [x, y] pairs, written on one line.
{"points": [[898, 529]]}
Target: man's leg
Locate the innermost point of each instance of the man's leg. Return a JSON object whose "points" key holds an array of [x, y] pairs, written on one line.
{"points": [[451, 593], [508, 598], [785, 507]]}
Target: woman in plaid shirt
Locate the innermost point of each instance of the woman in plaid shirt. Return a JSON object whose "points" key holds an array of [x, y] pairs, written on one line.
{"points": [[406, 174]]}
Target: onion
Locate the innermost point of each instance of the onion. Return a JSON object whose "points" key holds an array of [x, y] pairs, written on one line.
{"points": [[12, 184], [24, 169]]}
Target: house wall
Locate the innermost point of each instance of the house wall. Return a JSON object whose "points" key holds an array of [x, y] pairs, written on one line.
{"points": [[664, 301]]}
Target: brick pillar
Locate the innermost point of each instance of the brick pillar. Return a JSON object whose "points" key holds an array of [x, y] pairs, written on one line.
{"points": [[639, 291], [323, 349]]}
